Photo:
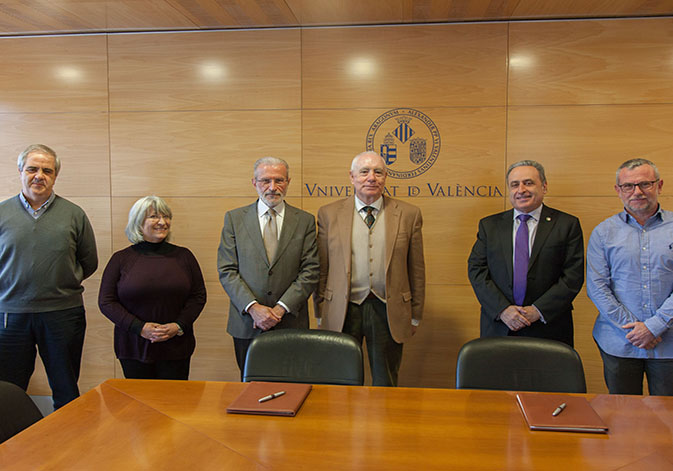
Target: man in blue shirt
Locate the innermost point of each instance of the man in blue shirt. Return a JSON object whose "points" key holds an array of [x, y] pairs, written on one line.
{"points": [[630, 280]]}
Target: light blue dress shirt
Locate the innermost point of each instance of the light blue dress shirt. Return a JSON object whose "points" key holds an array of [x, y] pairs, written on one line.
{"points": [[36, 213], [629, 279]]}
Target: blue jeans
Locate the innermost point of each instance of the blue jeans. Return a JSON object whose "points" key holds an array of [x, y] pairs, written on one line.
{"points": [[625, 375], [59, 337]]}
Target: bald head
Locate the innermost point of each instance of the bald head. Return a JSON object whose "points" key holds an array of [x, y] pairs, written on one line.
{"points": [[368, 176]]}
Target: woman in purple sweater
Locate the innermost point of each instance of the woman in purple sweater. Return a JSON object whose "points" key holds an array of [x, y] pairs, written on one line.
{"points": [[153, 291]]}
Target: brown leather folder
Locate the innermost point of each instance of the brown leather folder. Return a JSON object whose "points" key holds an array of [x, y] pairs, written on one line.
{"points": [[577, 414], [286, 405]]}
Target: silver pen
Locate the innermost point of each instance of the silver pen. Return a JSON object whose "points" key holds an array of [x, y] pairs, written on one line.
{"points": [[559, 409], [271, 396]]}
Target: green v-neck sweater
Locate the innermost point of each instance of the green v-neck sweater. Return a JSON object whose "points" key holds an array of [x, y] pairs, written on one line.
{"points": [[43, 261]]}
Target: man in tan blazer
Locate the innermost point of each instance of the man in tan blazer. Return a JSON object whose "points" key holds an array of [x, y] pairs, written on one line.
{"points": [[372, 272]]}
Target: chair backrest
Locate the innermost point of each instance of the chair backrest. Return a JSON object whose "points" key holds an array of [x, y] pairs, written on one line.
{"points": [[17, 410], [305, 356], [519, 364]]}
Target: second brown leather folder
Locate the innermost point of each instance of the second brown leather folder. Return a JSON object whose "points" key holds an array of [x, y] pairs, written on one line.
{"points": [[577, 416], [287, 405]]}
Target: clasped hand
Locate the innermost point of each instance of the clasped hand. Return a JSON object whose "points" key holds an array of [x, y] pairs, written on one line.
{"points": [[265, 317], [640, 336], [518, 317], [159, 332]]}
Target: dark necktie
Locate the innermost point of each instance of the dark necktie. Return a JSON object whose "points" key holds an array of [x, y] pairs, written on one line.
{"points": [[520, 260], [369, 218]]}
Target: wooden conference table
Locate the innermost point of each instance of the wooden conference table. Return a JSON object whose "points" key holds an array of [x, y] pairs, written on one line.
{"points": [[182, 425]]}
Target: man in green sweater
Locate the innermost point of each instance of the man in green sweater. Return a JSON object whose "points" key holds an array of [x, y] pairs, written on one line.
{"points": [[47, 248]]}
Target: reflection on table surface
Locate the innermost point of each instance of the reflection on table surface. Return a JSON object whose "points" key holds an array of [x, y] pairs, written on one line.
{"points": [[134, 424]]}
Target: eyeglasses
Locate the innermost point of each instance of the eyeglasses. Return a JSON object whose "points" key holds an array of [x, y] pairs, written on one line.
{"points": [[158, 217], [267, 181], [630, 187]]}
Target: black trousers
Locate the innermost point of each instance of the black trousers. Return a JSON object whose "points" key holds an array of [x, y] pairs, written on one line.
{"points": [[59, 336], [162, 369], [625, 375], [241, 350], [369, 320]]}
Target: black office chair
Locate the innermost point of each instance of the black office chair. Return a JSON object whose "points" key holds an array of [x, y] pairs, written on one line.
{"points": [[305, 356], [519, 364], [17, 410]]}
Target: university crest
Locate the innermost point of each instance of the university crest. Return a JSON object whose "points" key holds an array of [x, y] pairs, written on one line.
{"points": [[407, 139]]}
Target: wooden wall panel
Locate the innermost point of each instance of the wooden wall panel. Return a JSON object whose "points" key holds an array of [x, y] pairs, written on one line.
{"points": [[53, 74], [96, 359], [97, 210], [205, 71], [584, 316], [415, 66], [214, 358], [588, 62], [79, 139], [582, 146], [200, 154], [451, 318], [449, 232]]}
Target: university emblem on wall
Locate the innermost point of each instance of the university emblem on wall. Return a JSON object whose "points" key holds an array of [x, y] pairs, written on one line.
{"points": [[407, 139]]}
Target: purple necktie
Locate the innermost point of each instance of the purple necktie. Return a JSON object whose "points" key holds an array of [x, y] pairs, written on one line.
{"points": [[520, 260]]}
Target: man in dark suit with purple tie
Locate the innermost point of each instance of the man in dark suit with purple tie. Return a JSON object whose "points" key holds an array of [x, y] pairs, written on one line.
{"points": [[527, 264]]}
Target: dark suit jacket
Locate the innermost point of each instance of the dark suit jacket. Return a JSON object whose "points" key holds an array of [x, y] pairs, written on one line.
{"points": [[555, 273], [247, 275]]}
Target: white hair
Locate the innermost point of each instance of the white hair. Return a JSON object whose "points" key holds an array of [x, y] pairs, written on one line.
{"points": [[138, 214], [362, 154]]}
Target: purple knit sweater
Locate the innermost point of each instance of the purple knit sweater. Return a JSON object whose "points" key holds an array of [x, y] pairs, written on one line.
{"points": [[149, 282]]}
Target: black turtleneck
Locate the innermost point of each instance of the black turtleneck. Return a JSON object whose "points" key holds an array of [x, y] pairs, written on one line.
{"points": [[157, 248]]}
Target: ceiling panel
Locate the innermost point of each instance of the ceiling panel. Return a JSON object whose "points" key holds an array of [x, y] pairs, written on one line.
{"points": [[590, 8], [236, 13], [49, 16], [63, 16]]}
